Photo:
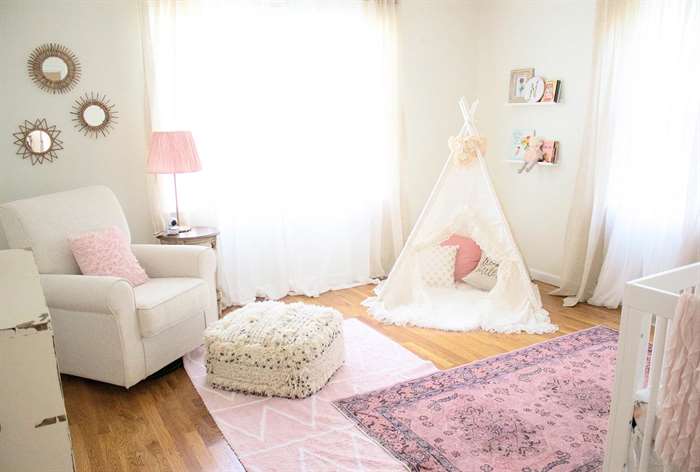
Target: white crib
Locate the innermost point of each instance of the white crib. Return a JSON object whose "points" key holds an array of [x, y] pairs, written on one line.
{"points": [[648, 301]]}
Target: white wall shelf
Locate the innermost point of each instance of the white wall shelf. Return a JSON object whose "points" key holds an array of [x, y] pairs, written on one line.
{"points": [[544, 164], [532, 104]]}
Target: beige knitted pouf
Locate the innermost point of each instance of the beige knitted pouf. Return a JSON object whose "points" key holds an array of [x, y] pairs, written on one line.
{"points": [[275, 349]]}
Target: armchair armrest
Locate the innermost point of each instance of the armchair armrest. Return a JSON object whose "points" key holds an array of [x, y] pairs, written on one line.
{"points": [[176, 261], [95, 326], [88, 293], [181, 261]]}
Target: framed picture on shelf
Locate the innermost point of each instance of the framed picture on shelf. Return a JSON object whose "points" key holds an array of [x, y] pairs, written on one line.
{"points": [[518, 80], [551, 91]]}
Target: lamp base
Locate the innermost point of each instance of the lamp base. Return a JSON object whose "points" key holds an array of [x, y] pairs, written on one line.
{"points": [[184, 229]]}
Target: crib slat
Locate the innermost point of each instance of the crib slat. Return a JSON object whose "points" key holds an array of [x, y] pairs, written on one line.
{"points": [[641, 365], [657, 360], [630, 347]]}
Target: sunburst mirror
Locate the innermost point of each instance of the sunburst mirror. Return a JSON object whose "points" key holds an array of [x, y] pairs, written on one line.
{"points": [[37, 141], [93, 114], [54, 68]]}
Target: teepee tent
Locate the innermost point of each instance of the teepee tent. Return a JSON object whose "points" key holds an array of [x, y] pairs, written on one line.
{"points": [[463, 202]]}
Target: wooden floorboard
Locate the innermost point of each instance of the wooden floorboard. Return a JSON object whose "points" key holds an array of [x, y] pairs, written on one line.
{"points": [[162, 425]]}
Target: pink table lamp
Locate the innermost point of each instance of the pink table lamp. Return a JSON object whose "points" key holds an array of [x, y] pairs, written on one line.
{"points": [[173, 152]]}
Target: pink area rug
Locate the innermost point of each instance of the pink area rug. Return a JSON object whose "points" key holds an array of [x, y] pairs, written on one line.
{"points": [[281, 435], [541, 409]]}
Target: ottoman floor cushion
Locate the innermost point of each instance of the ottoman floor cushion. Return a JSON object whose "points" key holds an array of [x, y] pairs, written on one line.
{"points": [[275, 349]]}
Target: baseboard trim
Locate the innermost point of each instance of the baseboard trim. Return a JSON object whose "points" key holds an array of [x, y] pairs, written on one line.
{"points": [[545, 277]]}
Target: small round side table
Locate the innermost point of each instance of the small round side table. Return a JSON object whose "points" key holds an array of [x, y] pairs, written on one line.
{"points": [[198, 235]]}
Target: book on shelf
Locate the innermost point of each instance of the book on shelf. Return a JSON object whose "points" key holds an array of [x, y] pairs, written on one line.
{"points": [[550, 149], [551, 91]]}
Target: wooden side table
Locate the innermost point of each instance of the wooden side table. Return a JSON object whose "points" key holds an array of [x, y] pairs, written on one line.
{"points": [[198, 235]]}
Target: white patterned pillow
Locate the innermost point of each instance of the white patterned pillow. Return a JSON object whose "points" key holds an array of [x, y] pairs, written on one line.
{"points": [[484, 277], [437, 265]]}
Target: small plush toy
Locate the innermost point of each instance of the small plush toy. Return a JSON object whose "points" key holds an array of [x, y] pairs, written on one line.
{"points": [[465, 148], [533, 154]]}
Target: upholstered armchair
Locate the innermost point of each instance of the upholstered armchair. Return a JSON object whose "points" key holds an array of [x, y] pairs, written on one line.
{"points": [[105, 329]]}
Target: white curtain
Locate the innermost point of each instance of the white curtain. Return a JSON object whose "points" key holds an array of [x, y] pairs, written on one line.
{"points": [[293, 107], [638, 201]]}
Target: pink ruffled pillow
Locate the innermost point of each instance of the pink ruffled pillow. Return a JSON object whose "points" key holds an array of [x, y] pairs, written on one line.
{"points": [[468, 254], [107, 252]]}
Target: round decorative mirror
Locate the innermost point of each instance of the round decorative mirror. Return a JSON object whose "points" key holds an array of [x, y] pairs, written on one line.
{"points": [[54, 68], [37, 141], [94, 115]]}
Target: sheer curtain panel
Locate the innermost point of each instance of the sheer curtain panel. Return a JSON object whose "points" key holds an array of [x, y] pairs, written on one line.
{"points": [[637, 204], [293, 106]]}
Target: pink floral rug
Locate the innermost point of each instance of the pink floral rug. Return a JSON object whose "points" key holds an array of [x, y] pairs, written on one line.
{"points": [[540, 409], [311, 435]]}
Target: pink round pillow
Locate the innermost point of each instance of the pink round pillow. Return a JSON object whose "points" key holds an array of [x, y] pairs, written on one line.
{"points": [[468, 254]]}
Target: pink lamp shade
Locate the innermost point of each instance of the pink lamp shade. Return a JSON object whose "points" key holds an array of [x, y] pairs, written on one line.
{"points": [[173, 152]]}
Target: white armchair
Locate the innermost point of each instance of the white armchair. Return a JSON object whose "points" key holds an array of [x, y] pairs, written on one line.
{"points": [[105, 329]]}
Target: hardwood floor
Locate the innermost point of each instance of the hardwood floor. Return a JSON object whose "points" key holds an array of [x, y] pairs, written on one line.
{"points": [[162, 424]]}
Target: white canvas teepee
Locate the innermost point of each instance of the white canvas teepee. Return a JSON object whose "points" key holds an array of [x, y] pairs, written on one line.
{"points": [[463, 202]]}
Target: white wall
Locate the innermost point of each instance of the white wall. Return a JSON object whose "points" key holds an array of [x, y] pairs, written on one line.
{"points": [[556, 38], [453, 48], [436, 63], [105, 36], [448, 48], [436, 67]]}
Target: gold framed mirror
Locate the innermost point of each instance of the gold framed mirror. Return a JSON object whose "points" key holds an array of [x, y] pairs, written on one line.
{"points": [[37, 141], [54, 68], [93, 114]]}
